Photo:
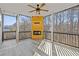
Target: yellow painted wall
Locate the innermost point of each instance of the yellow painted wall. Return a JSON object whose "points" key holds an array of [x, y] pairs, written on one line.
{"points": [[37, 25]]}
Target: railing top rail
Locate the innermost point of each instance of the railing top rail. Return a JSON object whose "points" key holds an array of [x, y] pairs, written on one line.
{"points": [[8, 31], [66, 33], [25, 31]]}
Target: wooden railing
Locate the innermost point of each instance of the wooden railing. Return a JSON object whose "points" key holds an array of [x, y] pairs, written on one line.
{"points": [[9, 35], [66, 38], [12, 35], [23, 35], [47, 35]]}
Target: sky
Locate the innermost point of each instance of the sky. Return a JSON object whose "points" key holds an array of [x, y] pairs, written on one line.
{"points": [[9, 20]]}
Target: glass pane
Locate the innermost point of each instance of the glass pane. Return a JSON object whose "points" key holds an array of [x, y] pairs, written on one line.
{"points": [[54, 23], [65, 22], [47, 23], [9, 27], [66, 25], [25, 27], [25, 23], [75, 21], [9, 23]]}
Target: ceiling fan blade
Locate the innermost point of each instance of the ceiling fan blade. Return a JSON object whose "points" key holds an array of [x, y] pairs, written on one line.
{"points": [[44, 10], [31, 6], [42, 5], [32, 11]]}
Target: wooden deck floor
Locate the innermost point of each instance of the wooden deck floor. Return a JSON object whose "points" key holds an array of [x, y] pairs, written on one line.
{"points": [[23, 48], [65, 50], [27, 48], [45, 47]]}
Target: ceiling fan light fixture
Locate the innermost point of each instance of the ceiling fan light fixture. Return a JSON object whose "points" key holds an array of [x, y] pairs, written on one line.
{"points": [[38, 8]]}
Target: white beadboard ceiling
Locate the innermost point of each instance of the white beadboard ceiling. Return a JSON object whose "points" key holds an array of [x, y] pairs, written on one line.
{"points": [[22, 8]]}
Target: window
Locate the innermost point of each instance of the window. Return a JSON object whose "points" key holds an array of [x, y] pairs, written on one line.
{"points": [[58, 22], [9, 23], [75, 21], [25, 23], [24, 27], [66, 26], [9, 27], [67, 21], [54, 22], [47, 23]]}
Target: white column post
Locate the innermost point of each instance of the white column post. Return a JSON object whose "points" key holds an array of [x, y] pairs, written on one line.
{"points": [[17, 29], [51, 17], [0, 28]]}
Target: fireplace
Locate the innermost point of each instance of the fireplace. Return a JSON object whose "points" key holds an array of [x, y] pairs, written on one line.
{"points": [[36, 32]]}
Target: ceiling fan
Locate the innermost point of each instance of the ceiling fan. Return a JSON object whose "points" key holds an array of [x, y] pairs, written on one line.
{"points": [[38, 8]]}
